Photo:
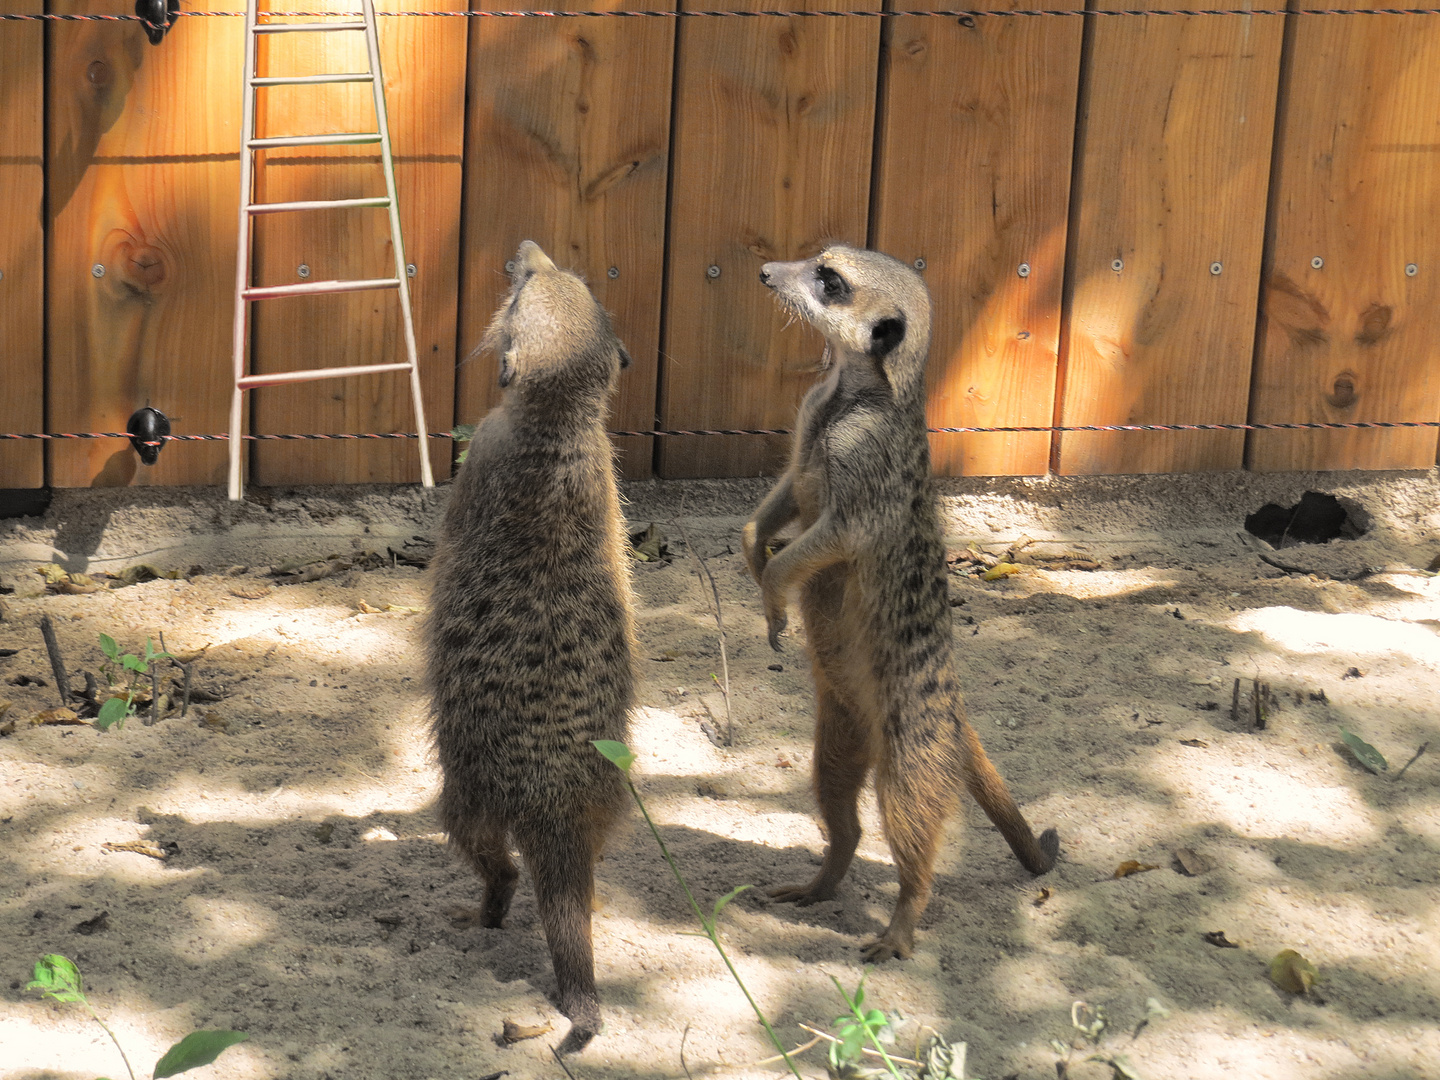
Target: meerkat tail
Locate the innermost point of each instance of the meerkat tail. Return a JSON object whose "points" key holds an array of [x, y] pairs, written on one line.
{"points": [[1037, 855]]}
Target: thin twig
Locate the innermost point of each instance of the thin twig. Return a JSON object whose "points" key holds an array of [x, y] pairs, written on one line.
{"points": [[57, 662], [685, 1035], [562, 1063], [154, 695], [185, 706], [720, 622], [793, 1053], [1423, 747], [864, 1049], [1235, 702]]}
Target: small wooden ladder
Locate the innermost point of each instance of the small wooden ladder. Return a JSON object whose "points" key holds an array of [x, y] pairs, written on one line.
{"points": [[245, 292]]}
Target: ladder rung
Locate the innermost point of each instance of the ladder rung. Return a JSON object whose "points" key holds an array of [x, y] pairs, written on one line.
{"points": [[305, 80], [324, 204], [344, 138], [249, 382], [311, 288], [290, 28]]}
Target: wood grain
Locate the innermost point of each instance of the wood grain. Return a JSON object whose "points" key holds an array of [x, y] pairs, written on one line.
{"points": [[22, 246], [568, 145], [1174, 158], [142, 181], [424, 63], [1355, 339], [774, 130], [976, 183]]}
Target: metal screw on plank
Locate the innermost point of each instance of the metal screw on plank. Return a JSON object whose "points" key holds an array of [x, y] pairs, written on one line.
{"points": [[1411, 269], [2, 275], [98, 270], [613, 273], [712, 272], [303, 270], [1317, 263], [1215, 268], [410, 270], [919, 264], [509, 266], [1117, 265], [1024, 270]]}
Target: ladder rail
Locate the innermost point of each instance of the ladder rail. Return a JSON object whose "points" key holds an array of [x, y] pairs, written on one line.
{"points": [[382, 122], [245, 293]]}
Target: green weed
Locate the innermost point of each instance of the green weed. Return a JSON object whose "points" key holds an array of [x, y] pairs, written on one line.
{"points": [[131, 669], [57, 977]]}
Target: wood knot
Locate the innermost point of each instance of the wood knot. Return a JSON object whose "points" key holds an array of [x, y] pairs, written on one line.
{"points": [[1342, 392], [1374, 325], [141, 267], [99, 75], [915, 47], [789, 44]]}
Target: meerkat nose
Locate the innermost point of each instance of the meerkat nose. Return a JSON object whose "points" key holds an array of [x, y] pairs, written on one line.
{"points": [[764, 275]]}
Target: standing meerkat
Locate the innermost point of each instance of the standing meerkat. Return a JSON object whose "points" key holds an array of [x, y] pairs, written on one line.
{"points": [[530, 635], [869, 565]]}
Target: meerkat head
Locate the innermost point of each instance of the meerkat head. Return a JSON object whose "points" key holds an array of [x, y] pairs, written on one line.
{"points": [[865, 303], [550, 333]]}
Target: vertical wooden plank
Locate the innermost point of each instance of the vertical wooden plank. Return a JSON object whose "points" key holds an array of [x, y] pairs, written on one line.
{"points": [[568, 145], [424, 67], [976, 183], [143, 182], [1177, 122], [774, 131], [1355, 338], [22, 248]]}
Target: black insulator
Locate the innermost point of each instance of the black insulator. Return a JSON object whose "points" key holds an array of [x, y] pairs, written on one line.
{"points": [[159, 16], [147, 428]]}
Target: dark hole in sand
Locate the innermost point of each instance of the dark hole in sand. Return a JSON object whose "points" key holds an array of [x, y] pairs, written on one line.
{"points": [[1316, 519]]}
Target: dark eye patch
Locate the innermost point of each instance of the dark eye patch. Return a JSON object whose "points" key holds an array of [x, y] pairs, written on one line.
{"points": [[834, 289]]}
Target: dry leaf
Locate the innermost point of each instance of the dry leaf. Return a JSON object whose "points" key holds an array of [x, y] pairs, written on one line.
{"points": [[1291, 971], [251, 592], [783, 762], [215, 722], [1193, 863], [513, 1032], [1041, 897], [1000, 570], [145, 847], [1194, 742], [366, 609], [1219, 940], [1130, 866], [57, 716]]}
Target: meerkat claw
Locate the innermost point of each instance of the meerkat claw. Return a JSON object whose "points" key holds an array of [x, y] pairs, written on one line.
{"points": [[777, 626]]}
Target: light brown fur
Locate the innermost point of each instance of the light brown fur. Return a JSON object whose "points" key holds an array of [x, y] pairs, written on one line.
{"points": [[869, 565], [530, 634]]}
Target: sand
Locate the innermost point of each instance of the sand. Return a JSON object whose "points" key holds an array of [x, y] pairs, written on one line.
{"points": [[313, 903]]}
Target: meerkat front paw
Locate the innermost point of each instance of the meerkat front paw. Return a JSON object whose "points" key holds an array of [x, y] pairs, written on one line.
{"points": [[886, 948], [777, 627]]}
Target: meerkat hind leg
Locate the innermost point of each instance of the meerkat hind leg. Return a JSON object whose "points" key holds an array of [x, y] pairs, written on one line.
{"points": [[841, 766], [484, 846]]}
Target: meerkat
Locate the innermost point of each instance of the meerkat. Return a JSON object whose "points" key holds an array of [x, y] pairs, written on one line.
{"points": [[530, 634], [869, 566]]}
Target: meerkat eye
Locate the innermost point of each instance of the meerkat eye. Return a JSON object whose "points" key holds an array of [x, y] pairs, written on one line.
{"points": [[834, 288]]}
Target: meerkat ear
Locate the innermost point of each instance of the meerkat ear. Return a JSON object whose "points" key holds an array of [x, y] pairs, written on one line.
{"points": [[624, 354], [886, 334]]}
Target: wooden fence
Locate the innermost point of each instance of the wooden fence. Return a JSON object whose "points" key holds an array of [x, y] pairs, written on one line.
{"points": [[1130, 219]]}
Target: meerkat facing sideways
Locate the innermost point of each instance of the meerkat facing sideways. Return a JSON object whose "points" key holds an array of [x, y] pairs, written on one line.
{"points": [[530, 635], [869, 565]]}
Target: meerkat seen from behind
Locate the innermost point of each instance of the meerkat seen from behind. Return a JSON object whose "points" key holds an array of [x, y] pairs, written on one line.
{"points": [[869, 566], [530, 632]]}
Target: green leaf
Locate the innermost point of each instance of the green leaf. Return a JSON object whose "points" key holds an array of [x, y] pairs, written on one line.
{"points": [[720, 904], [152, 655], [58, 977], [462, 432], [196, 1049], [874, 1019], [1366, 754], [132, 662], [108, 646], [617, 753], [113, 711]]}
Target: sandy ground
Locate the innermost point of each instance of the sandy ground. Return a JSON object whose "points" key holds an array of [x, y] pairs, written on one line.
{"points": [[313, 904]]}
